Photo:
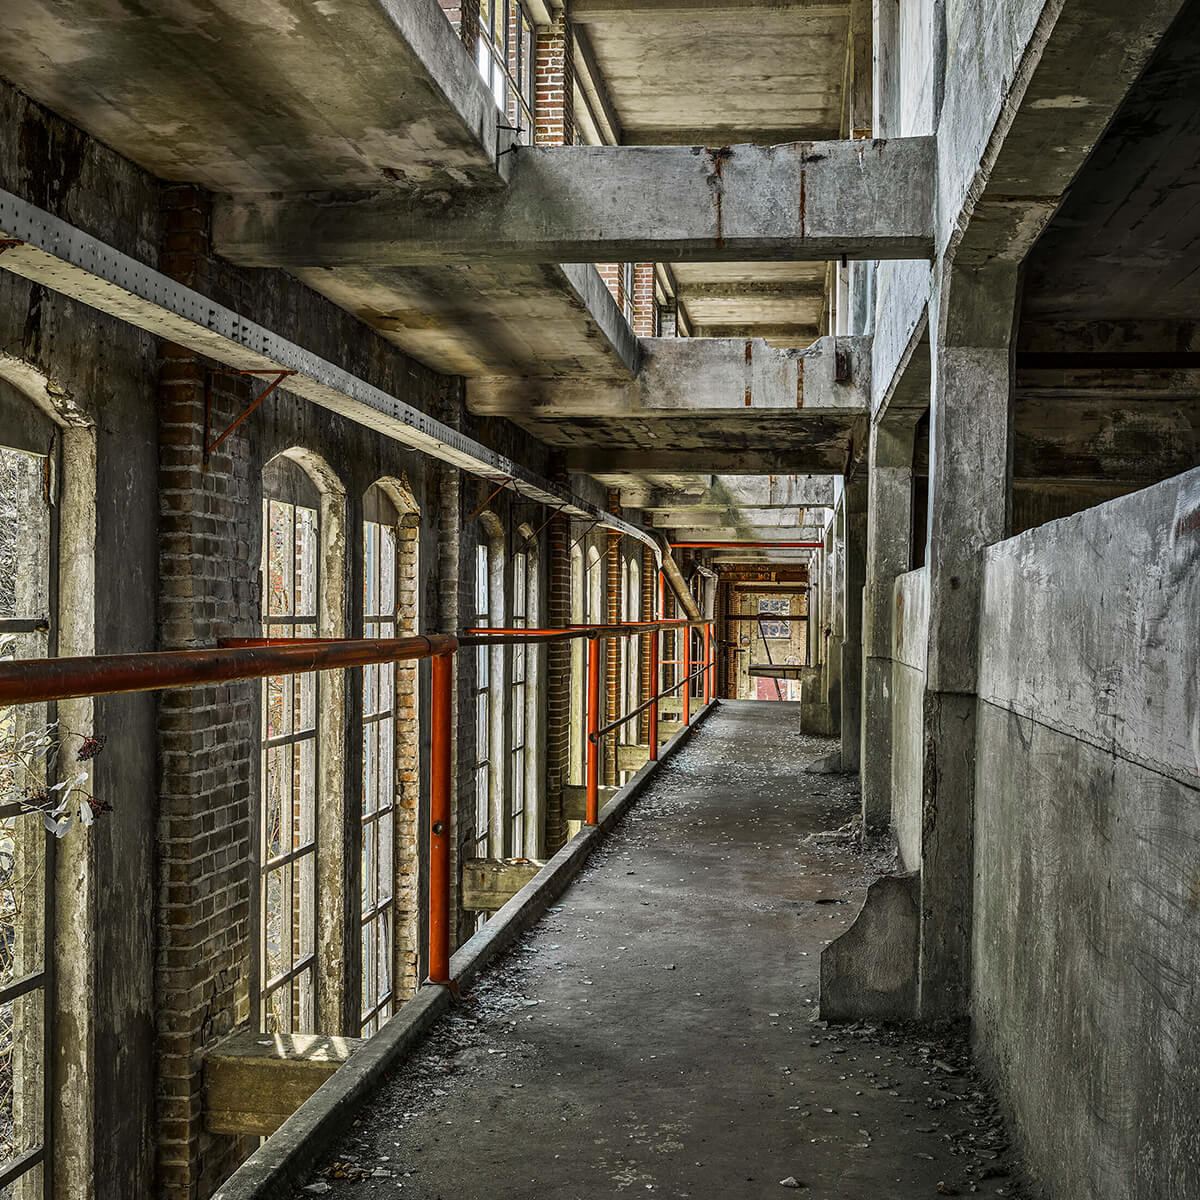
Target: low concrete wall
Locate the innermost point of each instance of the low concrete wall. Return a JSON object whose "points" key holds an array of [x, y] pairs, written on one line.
{"points": [[910, 606], [1086, 957]]}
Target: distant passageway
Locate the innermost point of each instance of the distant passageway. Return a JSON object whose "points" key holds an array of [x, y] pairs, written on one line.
{"points": [[657, 1030]]}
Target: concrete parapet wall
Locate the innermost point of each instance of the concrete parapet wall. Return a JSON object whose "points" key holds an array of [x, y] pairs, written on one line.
{"points": [[910, 628], [1087, 835]]}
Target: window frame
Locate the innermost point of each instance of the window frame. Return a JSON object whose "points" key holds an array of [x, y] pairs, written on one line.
{"points": [[44, 627], [505, 56], [377, 911], [298, 858]]}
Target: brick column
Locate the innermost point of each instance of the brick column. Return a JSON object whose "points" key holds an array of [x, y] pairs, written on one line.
{"points": [[558, 668], [554, 85], [612, 646], [207, 526], [645, 315], [465, 19], [614, 280]]}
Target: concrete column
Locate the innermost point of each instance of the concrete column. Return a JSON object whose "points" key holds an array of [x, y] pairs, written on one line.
{"points": [[889, 522], [971, 325], [854, 566], [834, 542]]}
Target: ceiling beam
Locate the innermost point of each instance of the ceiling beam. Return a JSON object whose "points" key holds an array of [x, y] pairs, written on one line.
{"points": [[742, 491], [702, 376], [586, 11], [806, 201]]}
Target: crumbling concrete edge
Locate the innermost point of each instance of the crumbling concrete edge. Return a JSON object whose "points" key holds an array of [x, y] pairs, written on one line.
{"points": [[281, 1163]]}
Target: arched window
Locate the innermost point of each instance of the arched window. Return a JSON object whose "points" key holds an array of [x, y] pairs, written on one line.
{"points": [[389, 758], [300, 730], [47, 535], [523, 810], [489, 712], [578, 667]]}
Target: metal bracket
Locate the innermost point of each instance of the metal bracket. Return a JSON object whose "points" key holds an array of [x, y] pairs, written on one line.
{"points": [[503, 484], [557, 512], [280, 376]]}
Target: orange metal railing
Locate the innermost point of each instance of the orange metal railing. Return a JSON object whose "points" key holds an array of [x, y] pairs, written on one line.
{"points": [[32, 681]]}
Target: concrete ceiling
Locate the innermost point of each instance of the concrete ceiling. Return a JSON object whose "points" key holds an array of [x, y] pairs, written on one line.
{"points": [[1126, 241], [289, 96], [697, 72]]}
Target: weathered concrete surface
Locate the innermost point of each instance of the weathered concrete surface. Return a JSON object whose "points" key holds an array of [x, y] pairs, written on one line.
{"points": [[870, 971], [909, 632], [256, 98], [799, 200], [702, 375], [654, 1034], [718, 492], [1087, 835]]}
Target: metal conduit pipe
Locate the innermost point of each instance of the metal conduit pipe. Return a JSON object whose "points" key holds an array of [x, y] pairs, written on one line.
{"points": [[674, 577]]}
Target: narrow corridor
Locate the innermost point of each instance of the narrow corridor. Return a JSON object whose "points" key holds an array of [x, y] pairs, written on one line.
{"points": [[657, 1030]]}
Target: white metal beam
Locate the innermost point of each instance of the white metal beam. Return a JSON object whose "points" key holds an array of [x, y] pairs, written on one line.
{"points": [[50, 252]]}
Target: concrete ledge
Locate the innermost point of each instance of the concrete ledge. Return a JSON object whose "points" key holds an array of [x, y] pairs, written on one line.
{"points": [[870, 972], [285, 1159]]}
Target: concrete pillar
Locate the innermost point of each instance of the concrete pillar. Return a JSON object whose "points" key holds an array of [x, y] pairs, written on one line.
{"points": [[889, 523], [971, 327], [835, 540], [854, 566]]}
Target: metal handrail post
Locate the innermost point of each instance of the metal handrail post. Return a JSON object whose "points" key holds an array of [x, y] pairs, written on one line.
{"points": [[652, 723], [441, 724], [708, 662], [592, 814], [687, 671]]}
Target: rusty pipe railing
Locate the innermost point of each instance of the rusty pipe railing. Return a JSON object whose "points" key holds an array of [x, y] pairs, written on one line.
{"points": [[38, 680]]}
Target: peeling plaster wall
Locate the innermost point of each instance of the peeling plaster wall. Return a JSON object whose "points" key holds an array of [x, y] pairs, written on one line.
{"points": [[910, 626], [1087, 839]]}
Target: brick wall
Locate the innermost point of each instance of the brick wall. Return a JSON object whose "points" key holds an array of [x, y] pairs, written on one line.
{"points": [[558, 670], [205, 790], [554, 85], [645, 313], [612, 646]]}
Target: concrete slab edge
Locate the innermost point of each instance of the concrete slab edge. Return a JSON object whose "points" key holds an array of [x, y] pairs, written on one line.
{"points": [[283, 1160]]}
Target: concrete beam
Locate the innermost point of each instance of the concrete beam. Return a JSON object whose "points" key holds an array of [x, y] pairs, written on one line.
{"points": [[739, 491], [743, 533], [584, 12], [802, 200], [827, 460], [706, 376], [757, 518]]}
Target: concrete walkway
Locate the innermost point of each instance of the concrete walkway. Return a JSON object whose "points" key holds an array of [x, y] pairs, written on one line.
{"points": [[656, 1031]]}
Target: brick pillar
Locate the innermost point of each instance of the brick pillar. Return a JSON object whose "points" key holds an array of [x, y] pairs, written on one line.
{"points": [[646, 610], [554, 85], [614, 280], [645, 314], [612, 646], [558, 668], [455, 598], [207, 541], [465, 19], [407, 939]]}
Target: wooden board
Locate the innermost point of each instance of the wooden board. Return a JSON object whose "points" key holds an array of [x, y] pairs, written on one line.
{"points": [[575, 801], [490, 883], [254, 1081]]}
